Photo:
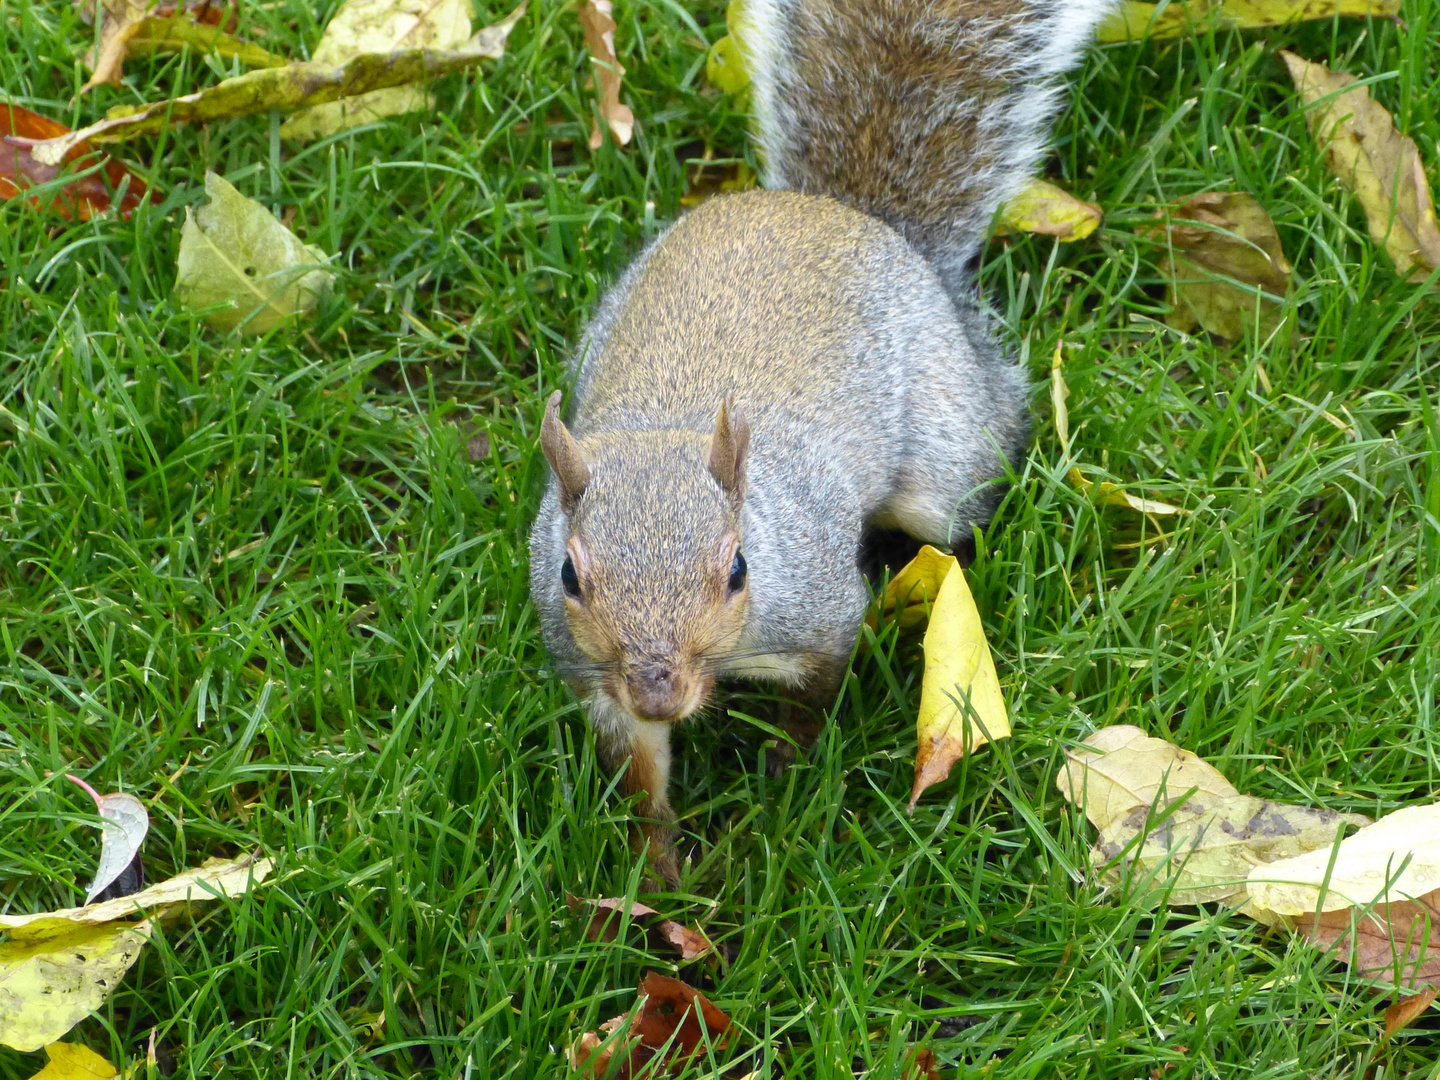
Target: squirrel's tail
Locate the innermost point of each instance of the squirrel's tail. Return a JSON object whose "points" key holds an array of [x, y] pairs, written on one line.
{"points": [[925, 113]]}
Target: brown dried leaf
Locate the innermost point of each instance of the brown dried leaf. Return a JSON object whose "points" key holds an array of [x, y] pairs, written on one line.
{"points": [[1400, 940], [667, 1008], [595, 19], [1378, 164], [1407, 1010], [82, 198], [922, 1066], [691, 943], [1227, 270], [604, 924]]}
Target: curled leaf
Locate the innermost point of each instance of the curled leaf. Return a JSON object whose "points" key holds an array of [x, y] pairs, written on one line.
{"points": [[286, 89], [1380, 166], [911, 593], [1226, 269], [1047, 210], [605, 920], [21, 169], [599, 26], [1107, 494], [961, 707], [378, 26], [1136, 21], [126, 821], [234, 253], [166, 31]]}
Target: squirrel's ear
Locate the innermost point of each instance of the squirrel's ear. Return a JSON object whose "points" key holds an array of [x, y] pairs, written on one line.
{"points": [[727, 450], [563, 453]]}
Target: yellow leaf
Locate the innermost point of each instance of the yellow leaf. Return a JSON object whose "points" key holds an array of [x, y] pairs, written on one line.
{"points": [[1205, 849], [961, 708], [1120, 767], [1227, 270], [1134, 21], [727, 66], [378, 26], [1378, 164], [234, 253], [285, 89], [1059, 395], [1108, 494], [71, 1061], [599, 26], [175, 33], [914, 589], [1043, 208], [212, 878], [1397, 858], [50, 982]]}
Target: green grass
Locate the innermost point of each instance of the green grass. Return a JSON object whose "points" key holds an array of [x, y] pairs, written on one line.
{"points": [[259, 583]]}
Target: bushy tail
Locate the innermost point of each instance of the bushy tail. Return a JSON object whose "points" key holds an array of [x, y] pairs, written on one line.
{"points": [[925, 113]]}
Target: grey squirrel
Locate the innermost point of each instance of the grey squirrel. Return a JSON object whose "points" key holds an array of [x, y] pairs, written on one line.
{"points": [[781, 369]]}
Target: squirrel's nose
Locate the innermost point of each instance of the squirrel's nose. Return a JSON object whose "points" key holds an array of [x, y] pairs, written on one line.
{"points": [[656, 691]]}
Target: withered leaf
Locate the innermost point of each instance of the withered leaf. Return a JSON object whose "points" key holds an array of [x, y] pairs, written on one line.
{"points": [[1204, 850], [1399, 940], [378, 26], [1120, 767], [667, 1008], [1380, 166], [20, 169], [128, 27], [126, 821], [599, 26], [1134, 20], [605, 919], [286, 89], [1225, 267], [1408, 1009]]}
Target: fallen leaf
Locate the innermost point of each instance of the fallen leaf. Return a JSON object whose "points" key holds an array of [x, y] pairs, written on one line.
{"points": [[727, 64], [1396, 858], [211, 879], [1204, 850], [961, 707], [1224, 263], [1059, 395], [119, 22], [912, 592], [1135, 21], [72, 1061], [1120, 767], [165, 30], [51, 981], [668, 1008], [1399, 940], [378, 26], [595, 20], [1407, 1010], [605, 920], [286, 89], [125, 823], [922, 1066], [21, 129], [1042, 208], [1380, 166], [1107, 494], [234, 253]]}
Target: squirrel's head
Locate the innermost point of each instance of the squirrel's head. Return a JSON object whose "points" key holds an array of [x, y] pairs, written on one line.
{"points": [[653, 577]]}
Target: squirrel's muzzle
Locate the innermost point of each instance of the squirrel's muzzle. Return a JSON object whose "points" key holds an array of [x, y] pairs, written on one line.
{"points": [[662, 690]]}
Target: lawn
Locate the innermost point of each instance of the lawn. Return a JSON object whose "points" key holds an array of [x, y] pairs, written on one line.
{"points": [[277, 588]]}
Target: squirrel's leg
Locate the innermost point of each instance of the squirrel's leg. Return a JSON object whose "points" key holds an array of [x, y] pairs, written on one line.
{"points": [[802, 715], [639, 751]]}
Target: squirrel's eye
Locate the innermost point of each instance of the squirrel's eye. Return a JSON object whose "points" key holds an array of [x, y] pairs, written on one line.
{"points": [[569, 580], [737, 573]]}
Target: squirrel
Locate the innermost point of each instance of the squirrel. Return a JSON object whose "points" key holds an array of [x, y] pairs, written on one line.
{"points": [[781, 370]]}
